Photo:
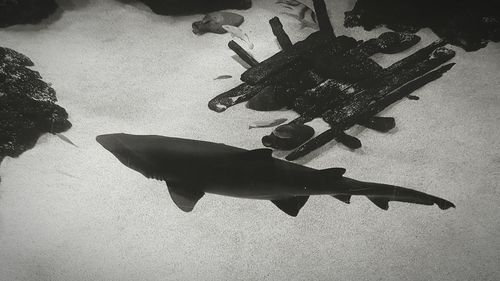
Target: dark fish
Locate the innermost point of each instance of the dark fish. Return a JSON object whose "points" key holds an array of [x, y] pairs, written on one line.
{"points": [[223, 77], [192, 168]]}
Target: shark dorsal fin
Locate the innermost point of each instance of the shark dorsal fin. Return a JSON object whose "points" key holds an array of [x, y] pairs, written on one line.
{"points": [[184, 197], [259, 154], [292, 205]]}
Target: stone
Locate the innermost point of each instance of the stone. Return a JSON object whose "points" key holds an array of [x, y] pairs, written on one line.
{"points": [[25, 11], [288, 136], [185, 7], [213, 22], [469, 24], [28, 106]]}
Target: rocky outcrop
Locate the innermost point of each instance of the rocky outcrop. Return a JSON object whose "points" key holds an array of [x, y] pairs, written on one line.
{"points": [[183, 7], [469, 24], [25, 11], [27, 105]]}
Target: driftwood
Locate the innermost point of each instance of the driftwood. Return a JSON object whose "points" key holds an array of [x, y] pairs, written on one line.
{"points": [[333, 78], [322, 15], [332, 91], [369, 110], [281, 36], [244, 55]]}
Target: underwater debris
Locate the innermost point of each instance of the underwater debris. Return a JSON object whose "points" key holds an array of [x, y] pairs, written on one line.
{"points": [[191, 168], [469, 24], [213, 22], [334, 78], [28, 106]]}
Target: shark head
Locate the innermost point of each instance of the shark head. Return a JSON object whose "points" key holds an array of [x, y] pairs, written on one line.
{"points": [[144, 155], [165, 158]]}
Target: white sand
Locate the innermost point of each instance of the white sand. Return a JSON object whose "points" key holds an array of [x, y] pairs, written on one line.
{"points": [[71, 213]]}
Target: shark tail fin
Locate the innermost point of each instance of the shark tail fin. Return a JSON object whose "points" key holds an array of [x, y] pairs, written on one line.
{"points": [[382, 194]]}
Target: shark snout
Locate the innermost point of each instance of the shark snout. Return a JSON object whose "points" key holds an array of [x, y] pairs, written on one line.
{"points": [[110, 142]]}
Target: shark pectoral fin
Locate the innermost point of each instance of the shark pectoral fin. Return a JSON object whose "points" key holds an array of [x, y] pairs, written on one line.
{"points": [[344, 198], [259, 154], [184, 197], [380, 202], [292, 205]]}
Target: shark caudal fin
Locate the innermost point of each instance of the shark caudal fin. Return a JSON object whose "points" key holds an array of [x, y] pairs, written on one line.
{"points": [[382, 194]]}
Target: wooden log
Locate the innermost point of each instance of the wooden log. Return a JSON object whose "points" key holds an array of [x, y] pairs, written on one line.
{"points": [[240, 93], [349, 115], [333, 91], [324, 23], [293, 79], [295, 55], [385, 86], [381, 124], [351, 63], [386, 43], [349, 141], [244, 55], [277, 28]]}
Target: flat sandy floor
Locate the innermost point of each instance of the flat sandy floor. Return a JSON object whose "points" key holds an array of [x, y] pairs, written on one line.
{"points": [[76, 213]]}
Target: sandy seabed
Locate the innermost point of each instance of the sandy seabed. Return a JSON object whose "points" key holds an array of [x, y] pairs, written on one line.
{"points": [[76, 213]]}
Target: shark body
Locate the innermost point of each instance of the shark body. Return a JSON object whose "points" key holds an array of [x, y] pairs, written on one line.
{"points": [[192, 168]]}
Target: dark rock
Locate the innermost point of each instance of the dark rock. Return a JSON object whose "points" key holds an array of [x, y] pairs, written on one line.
{"points": [[469, 24], [213, 22], [267, 99], [27, 105], [25, 11], [183, 7], [288, 136]]}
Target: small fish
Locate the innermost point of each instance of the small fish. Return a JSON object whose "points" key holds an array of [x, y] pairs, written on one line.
{"points": [[305, 15], [65, 139], [238, 33], [223, 77], [266, 124]]}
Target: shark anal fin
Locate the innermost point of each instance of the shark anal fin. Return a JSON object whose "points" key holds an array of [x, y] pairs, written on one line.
{"points": [[183, 196], [382, 203], [344, 198], [259, 154], [332, 172], [292, 205]]}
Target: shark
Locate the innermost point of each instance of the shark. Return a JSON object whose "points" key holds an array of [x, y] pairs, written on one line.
{"points": [[192, 168]]}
